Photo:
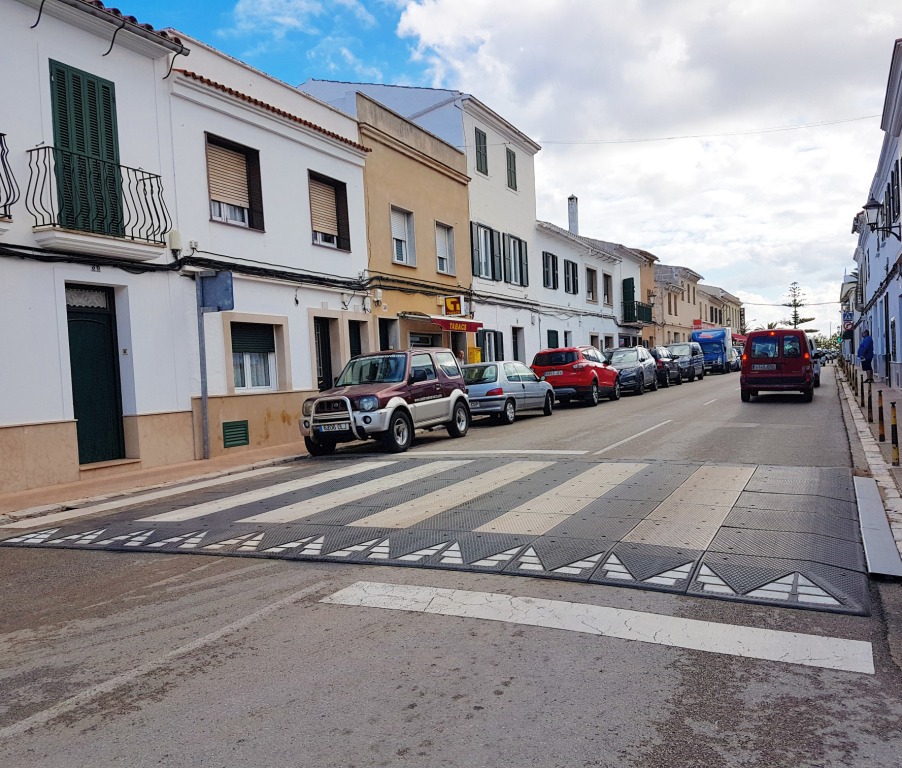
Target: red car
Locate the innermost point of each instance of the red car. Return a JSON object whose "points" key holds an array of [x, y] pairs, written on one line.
{"points": [[577, 373]]}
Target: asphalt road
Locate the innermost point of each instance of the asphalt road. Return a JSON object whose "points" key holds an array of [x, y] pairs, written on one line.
{"points": [[138, 659]]}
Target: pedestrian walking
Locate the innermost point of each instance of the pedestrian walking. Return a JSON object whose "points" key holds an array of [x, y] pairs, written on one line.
{"points": [[866, 354]]}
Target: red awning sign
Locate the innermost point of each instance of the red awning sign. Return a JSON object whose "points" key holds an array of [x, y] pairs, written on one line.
{"points": [[461, 324]]}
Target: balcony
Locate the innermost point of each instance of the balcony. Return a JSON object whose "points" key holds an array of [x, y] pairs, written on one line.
{"points": [[637, 312], [9, 190], [85, 204]]}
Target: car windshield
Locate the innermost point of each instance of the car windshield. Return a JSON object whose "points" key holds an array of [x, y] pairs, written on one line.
{"points": [[624, 356], [481, 374], [681, 350], [555, 358], [373, 369], [711, 347]]}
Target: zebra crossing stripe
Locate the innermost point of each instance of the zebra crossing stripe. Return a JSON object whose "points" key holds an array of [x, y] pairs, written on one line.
{"points": [[711, 582], [353, 549], [577, 568], [529, 561], [173, 540], [431, 504], [452, 555], [123, 537], [290, 545], [380, 552], [671, 577], [78, 538], [495, 560], [422, 554], [304, 509], [38, 537], [233, 542], [614, 569], [231, 502], [194, 541], [314, 547], [139, 538]]}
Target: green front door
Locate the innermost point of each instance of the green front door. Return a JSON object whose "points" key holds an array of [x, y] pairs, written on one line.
{"points": [[94, 365]]}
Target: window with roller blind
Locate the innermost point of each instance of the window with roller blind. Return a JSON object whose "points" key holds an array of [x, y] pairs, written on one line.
{"points": [[402, 242], [233, 176], [444, 249], [253, 357], [329, 212]]}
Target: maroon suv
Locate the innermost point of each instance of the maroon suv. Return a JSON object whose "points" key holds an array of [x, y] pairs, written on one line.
{"points": [[577, 373]]}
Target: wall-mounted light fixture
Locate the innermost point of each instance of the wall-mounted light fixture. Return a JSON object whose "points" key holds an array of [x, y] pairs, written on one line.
{"points": [[872, 211]]}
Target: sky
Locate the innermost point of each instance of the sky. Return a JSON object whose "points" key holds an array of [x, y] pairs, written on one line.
{"points": [[738, 138]]}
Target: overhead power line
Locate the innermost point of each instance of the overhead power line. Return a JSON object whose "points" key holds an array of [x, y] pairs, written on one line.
{"points": [[749, 132]]}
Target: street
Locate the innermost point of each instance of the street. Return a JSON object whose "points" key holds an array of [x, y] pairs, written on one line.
{"points": [[254, 652]]}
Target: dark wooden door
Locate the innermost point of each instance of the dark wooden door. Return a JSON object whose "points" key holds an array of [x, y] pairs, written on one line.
{"points": [[94, 365]]}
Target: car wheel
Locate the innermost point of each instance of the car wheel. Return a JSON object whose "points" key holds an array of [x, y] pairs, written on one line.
{"points": [[549, 404], [692, 375], [615, 395], [701, 375], [315, 448], [808, 396], [744, 395], [679, 379], [653, 387], [460, 420], [509, 413], [593, 395], [640, 387], [399, 435], [666, 382]]}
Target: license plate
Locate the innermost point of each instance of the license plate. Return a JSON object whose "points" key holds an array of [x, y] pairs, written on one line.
{"points": [[764, 367], [333, 428], [554, 373]]}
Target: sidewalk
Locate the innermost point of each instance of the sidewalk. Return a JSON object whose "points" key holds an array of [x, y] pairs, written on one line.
{"points": [[877, 454], [39, 501]]}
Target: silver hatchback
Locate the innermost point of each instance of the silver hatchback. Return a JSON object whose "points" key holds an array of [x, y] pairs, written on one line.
{"points": [[505, 388]]}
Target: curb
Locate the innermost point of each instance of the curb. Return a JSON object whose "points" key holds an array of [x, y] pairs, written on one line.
{"points": [[880, 470]]}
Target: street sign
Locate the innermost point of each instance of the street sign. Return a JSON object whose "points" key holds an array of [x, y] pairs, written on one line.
{"points": [[847, 316], [847, 326], [453, 305]]}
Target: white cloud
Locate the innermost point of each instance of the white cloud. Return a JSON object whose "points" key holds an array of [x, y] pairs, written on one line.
{"points": [[752, 212]]}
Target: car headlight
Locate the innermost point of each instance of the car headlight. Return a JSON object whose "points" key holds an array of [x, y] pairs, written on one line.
{"points": [[308, 407], [368, 403]]}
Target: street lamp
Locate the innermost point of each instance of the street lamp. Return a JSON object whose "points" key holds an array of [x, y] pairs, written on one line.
{"points": [[871, 211]]}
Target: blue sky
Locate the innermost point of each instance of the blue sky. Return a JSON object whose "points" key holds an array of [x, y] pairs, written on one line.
{"points": [[735, 137]]}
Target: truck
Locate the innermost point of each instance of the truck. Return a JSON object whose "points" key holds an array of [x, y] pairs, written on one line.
{"points": [[716, 344]]}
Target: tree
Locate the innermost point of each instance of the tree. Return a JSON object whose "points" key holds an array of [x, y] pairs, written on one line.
{"points": [[796, 301]]}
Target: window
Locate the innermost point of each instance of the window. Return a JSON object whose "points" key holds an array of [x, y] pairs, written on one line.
{"points": [[511, 169], [591, 285], [444, 249], [516, 270], [608, 342], [448, 363], [253, 356], [329, 212], [482, 152], [233, 176], [571, 277], [549, 270], [491, 343], [422, 368], [552, 339], [402, 242], [607, 288], [486, 247], [568, 338], [86, 140]]}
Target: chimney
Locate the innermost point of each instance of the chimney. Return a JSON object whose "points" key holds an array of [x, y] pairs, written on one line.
{"points": [[573, 214]]}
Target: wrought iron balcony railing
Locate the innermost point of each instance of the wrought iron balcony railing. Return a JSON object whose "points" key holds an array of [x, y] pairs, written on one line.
{"points": [[9, 190], [637, 312], [77, 192]]}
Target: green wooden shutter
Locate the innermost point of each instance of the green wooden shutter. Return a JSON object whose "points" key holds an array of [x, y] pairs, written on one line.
{"points": [[84, 123], [474, 247], [497, 255], [508, 261], [524, 264], [253, 337], [629, 290]]}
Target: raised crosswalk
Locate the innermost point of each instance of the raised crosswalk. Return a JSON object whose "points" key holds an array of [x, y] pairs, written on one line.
{"points": [[702, 529]]}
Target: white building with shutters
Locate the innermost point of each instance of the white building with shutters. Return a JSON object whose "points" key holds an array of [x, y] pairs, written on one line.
{"points": [[131, 160]]}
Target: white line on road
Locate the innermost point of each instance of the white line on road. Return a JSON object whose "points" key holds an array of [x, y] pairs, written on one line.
{"points": [[710, 401], [626, 440], [125, 678], [142, 498], [491, 452], [711, 637]]}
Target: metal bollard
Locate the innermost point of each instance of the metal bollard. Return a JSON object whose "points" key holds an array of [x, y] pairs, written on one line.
{"points": [[894, 433], [870, 405], [861, 393], [881, 429]]}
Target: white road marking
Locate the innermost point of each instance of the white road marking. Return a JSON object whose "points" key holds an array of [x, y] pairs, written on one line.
{"points": [[230, 502], [494, 452], [128, 501], [674, 631], [80, 699], [431, 504], [626, 440], [539, 515], [304, 509], [710, 401]]}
